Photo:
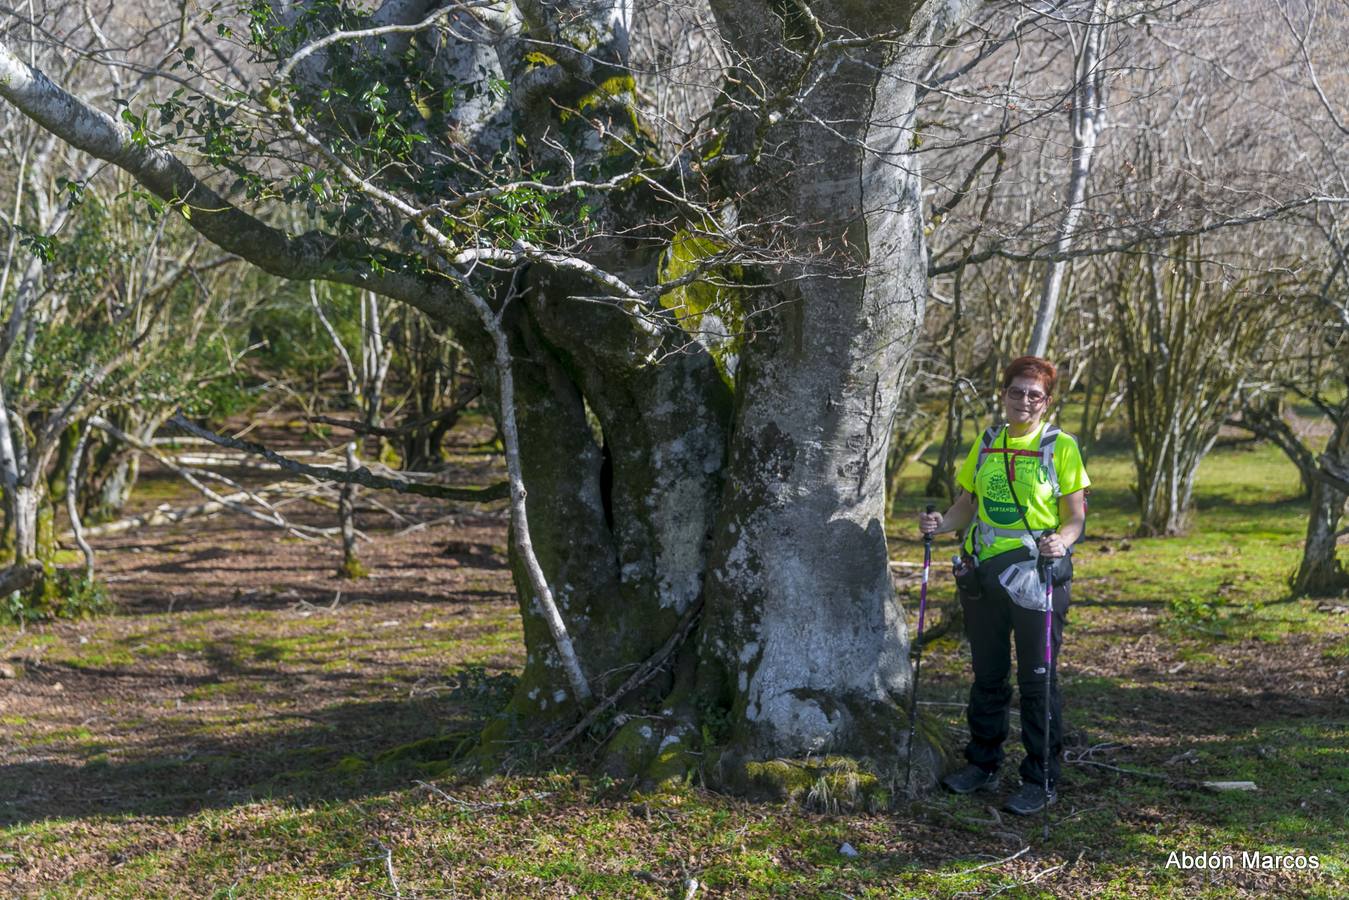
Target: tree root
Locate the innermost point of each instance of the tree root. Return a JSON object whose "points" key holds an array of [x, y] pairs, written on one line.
{"points": [[643, 674]]}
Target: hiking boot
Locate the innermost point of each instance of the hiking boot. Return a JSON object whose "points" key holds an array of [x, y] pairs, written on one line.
{"points": [[971, 779], [1030, 799]]}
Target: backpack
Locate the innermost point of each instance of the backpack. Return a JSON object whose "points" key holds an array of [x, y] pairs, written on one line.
{"points": [[984, 533]]}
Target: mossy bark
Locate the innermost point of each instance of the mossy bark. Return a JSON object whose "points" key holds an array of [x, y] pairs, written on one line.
{"points": [[109, 481], [1319, 572], [653, 483], [622, 425], [624, 548], [803, 638], [61, 462], [34, 538], [26, 503]]}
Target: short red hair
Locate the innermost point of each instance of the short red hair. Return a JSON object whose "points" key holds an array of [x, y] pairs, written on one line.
{"points": [[1031, 367]]}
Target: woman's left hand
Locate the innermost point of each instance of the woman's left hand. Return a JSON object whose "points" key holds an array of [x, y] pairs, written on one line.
{"points": [[1052, 546]]}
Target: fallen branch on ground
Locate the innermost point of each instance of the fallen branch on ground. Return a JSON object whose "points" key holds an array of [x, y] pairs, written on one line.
{"points": [[989, 865], [1034, 878], [361, 475], [388, 867], [275, 518], [241, 460], [1100, 765], [406, 428], [482, 805], [422, 526], [167, 516], [1183, 784]]}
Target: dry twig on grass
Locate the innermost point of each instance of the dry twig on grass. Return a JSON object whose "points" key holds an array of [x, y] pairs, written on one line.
{"points": [[1034, 878], [482, 805], [987, 865], [388, 867]]}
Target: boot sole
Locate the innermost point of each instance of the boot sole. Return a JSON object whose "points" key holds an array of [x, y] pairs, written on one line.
{"points": [[1031, 812], [986, 786]]}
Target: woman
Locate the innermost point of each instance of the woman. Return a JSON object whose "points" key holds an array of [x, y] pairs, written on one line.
{"points": [[1042, 504]]}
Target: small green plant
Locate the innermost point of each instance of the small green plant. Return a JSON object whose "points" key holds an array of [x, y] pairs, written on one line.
{"points": [[1194, 613], [63, 594], [14, 609], [77, 595], [716, 721], [481, 692], [352, 569]]}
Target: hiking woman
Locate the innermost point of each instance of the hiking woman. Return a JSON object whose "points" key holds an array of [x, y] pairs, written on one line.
{"points": [[1022, 486]]}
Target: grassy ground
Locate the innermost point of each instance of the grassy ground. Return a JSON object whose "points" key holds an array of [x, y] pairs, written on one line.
{"points": [[239, 729]]}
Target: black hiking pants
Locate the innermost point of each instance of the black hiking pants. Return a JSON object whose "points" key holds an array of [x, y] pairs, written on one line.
{"points": [[992, 623]]}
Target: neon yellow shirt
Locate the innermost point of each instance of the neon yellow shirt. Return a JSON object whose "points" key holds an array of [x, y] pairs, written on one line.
{"points": [[1033, 488]]}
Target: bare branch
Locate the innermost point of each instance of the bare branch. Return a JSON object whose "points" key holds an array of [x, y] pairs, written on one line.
{"points": [[72, 504], [643, 674], [309, 256], [362, 428], [275, 518], [1144, 237], [283, 73], [361, 475]]}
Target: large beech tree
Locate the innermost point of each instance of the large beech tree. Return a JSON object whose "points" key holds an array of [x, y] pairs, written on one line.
{"points": [[696, 333]]}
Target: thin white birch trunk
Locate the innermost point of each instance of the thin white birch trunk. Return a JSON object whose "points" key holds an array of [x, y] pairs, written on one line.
{"points": [[1088, 118]]}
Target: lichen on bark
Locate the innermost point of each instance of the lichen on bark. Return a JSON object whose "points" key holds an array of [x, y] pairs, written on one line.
{"points": [[761, 493]]}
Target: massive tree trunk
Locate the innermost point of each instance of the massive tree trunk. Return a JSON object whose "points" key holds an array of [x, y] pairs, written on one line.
{"points": [[802, 649], [803, 634], [625, 553]]}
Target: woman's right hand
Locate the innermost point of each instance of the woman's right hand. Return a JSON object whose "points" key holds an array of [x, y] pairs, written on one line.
{"points": [[929, 522]]}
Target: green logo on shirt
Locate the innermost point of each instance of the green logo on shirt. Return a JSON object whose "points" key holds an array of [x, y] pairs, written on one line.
{"points": [[998, 505], [1002, 514]]}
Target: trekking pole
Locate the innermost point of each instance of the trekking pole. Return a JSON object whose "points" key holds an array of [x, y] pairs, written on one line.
{"points": [[1049, 683], [918, 662]]}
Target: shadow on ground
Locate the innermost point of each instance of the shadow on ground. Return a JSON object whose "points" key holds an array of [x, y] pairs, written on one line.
{"points": [[338, 752]]}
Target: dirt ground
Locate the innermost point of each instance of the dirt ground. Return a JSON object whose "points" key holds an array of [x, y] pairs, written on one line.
{"points": [[235, 650]]}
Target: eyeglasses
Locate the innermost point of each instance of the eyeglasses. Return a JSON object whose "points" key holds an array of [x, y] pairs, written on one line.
{"points": [[1032, 397]]}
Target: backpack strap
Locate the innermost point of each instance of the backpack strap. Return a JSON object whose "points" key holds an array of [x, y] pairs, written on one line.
{"points": [[985, 534], [986, 446], [977, 533], [1048, 438]]}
